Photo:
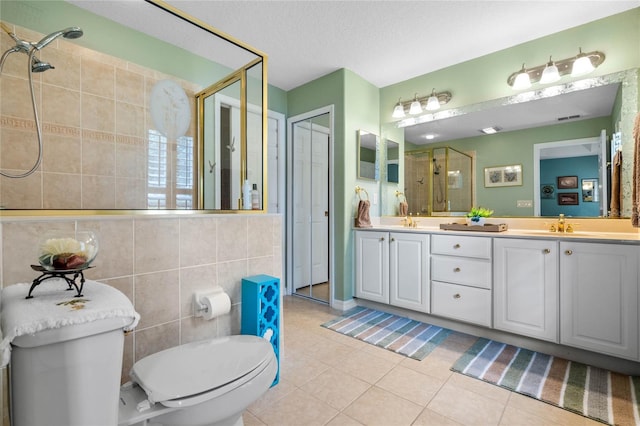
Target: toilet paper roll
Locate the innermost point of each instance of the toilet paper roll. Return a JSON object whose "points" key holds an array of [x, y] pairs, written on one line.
{"points": [[216, 304]]}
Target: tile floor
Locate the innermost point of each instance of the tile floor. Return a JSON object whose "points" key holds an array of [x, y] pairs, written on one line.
{"points": [[330, 379]]}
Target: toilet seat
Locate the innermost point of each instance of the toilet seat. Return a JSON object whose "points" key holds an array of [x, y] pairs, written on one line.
{"points": [[195, 372]]}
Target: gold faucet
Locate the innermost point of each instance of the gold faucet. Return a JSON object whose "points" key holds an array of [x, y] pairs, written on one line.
{"points": [[408, 221], [560, 226]]}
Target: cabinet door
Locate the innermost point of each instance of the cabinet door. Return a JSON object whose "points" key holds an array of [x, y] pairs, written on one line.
{"points": [[599, 297], [526, 287], [409, 271], [372, 265]]}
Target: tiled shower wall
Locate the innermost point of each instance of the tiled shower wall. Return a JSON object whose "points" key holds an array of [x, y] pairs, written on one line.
{"points": [[94, 110], [159, 262]]}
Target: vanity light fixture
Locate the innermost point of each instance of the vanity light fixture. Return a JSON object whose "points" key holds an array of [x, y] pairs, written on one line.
{"points": [[582, 63], [420, 104]]}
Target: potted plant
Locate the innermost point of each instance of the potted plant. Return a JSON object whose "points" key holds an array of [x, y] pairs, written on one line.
{"points": [[477, 216]]}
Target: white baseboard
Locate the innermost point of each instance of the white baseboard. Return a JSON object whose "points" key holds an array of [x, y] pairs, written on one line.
{"points": [[343, 305]]}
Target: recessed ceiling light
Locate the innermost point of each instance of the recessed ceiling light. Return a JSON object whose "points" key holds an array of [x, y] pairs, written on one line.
{"points": [[430, 136], [491, 130]]}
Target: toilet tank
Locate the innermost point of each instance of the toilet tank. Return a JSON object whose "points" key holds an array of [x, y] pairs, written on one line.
{"points": [[69, 376], [66, 352]]}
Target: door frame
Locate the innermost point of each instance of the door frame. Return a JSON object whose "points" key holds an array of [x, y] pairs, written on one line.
{"points": [[289, 215]]}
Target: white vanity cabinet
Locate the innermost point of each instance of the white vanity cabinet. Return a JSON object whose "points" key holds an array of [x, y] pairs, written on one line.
{"points": [[393, 267], [525, 287], [461, 278], [599, 297]]}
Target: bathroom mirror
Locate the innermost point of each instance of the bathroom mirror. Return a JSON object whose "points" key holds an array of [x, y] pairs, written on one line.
{"points": [[368, 162], [392, 160], [118, 154], [616, 94]]}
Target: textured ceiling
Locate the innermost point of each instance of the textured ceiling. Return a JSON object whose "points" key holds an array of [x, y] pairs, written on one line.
{"points": [[384, 42]]}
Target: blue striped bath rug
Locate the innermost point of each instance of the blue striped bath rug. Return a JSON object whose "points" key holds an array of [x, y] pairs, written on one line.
{"points": [[593, 392], [401, 335]]}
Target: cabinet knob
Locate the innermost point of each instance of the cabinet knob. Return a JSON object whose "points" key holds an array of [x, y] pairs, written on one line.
{"points": [[456, 269], [392, 239], [568, 252], [381, 238], [546, 251], [457, 296], [456, 246]]}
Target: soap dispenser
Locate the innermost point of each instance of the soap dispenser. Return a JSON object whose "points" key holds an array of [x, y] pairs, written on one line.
{"points": [[246, 195], [255, 198]]}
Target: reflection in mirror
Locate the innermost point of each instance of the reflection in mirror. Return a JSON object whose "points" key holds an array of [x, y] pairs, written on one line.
{"points": [[368, 162], [392, 160], [602, 103], [122, 139]]}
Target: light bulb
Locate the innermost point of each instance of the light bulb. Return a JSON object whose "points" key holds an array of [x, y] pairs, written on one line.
{"points": [[550, 73], [433, 103], [415, 107], [582, 65], [398, 110], [522, 80]]}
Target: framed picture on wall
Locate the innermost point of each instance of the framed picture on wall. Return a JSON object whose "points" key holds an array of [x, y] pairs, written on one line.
{"points": [[547, 191], [568, 198], [567, 182], [503, 176]]}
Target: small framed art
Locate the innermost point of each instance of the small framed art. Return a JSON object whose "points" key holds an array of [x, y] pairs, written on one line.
{"points": [[567, 182], [503, 176], [568, 198]]}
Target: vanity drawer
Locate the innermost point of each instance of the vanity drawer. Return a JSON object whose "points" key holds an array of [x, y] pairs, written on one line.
{"points": [[459, 245], [461, 270], [460, 302]]}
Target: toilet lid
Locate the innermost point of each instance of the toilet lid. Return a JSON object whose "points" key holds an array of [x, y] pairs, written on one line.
{"points": [[198, 367]]}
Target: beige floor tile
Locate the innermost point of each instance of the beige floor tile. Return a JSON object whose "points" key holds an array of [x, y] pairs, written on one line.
{"points": [[485, 389], [274, 394], [431, 418], [331, 352], [380, 407], [343, 420], [411, 385], [431, 366], [250, 420], [298, 409], [365, 366], [394, 357], [466, 407], [336, 388], [301, 369]]}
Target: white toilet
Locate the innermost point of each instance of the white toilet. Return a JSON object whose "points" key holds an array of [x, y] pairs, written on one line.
{"points": [[70, 375], [202, 383]]}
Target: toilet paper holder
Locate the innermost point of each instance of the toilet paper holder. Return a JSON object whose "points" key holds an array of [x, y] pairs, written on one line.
{"points": [[200, 305]]}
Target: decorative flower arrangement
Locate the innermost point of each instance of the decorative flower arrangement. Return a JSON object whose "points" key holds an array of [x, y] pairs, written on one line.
{"points": [[477, 215], [66, 253]]}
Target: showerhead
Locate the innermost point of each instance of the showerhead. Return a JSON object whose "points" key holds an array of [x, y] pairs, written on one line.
{"points": [[70, 33], [38, 66]]}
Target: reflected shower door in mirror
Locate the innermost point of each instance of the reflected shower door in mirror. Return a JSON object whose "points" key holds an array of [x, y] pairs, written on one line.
{"points": [[310, 206], [438, 182], [368, 159], [392, 160], [231, 146]]}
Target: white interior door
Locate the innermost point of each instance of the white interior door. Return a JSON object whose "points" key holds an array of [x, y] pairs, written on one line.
{"points": [[301, 204], [319, 205], [310, 214]]}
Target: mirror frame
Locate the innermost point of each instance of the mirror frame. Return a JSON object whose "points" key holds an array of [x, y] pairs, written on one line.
{"points": [[261, 58]]}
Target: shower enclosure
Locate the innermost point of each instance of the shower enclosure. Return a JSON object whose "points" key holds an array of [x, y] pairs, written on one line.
{"points": [[438, 182]]}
